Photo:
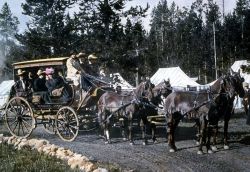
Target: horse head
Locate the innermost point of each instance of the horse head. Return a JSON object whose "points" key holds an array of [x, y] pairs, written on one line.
{"points": [[161, 90], [233, 85], [145, 90]]}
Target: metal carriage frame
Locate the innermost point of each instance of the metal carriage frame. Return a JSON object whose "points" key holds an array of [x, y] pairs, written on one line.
{"points": [[22, 115]]}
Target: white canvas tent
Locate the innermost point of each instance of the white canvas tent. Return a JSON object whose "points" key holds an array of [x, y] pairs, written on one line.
{"points": [[5, 87], [119, 80], [236, 68], [176, 76]]}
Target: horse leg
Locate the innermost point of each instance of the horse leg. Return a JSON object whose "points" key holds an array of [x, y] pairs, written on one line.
{"points": [[170, 131], [208, 143], [198, 127], [130, 129], [202, 137], [143, 130], [105, 125], [153, 130], [122, 126], [215, 133], [226, 145]]}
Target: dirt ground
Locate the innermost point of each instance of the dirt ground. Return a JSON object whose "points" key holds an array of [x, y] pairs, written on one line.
{"points": [[156, 157]]}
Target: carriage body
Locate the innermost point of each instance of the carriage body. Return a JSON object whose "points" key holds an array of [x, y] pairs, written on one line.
{"points": [[24, 113]]}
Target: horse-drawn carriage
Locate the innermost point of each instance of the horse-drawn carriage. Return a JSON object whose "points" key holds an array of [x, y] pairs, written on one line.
{"points": [[24, 113]]}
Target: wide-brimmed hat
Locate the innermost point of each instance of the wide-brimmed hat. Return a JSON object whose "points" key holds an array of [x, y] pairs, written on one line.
{"points": [[49, 71], [20, 72], [40, 72], [72, 52], [80, 55], [92, 57]]}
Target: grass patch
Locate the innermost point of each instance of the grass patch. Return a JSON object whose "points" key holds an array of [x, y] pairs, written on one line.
{"points": [[27, 160]]}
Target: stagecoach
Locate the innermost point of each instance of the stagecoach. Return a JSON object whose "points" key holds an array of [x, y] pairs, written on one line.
{"points": [[23, 114]]}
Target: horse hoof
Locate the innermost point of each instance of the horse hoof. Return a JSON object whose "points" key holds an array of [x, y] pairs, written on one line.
{"points": [[214, 148], [155, 141], [131, 143], [144, 143], [108, 142], [124, 139], [200, 152], [197, 143], [226, 147], [171, 150], [210, 151]]}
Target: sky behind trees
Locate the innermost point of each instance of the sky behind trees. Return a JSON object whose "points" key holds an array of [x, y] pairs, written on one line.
{"points": [[15, 6]]}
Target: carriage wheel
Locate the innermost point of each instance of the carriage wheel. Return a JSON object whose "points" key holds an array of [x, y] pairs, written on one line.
{"points": [[19, 117], [49, 126], [67, 123]]}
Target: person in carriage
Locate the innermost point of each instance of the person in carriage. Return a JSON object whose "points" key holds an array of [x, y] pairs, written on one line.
{"points": [[40, 87], [74, 67], [22, 86], [57, 87], [83, 72]]}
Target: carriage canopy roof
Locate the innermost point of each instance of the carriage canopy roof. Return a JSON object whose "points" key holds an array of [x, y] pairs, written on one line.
{"points": [[176, 76], [41, 62]]}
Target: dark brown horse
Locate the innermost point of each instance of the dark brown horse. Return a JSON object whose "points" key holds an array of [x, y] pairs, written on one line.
{"points": [[160, 91], [112, 104], [207, 107], [232, 85], [245, 103]]}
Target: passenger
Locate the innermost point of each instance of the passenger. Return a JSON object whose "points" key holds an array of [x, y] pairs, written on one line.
{"points": [[74, 67], [87, 83], [39, 83], [31, 80], [40, 87], [22, 86], [57, 87], [92, 69]]}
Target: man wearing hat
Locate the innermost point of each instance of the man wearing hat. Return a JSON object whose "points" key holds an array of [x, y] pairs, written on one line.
{"points": [[40, 87], [39, 83], [22, 86], [74, 67], [93, 68]]}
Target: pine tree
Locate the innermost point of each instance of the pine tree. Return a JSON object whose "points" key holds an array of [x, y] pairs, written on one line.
{"points": [[51, 29], [8, 28]]}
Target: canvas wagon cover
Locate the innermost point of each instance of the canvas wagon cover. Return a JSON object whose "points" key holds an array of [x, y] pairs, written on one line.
{"points": [[5, 87]]}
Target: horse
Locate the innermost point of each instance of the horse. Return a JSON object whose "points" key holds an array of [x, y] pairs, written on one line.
{"points": [[149, 112], [112, 104], [245, 103], [208, 107], [134, 105], [232, 85]]}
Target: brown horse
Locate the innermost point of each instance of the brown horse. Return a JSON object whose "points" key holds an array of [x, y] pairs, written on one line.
{"points": [[160, 91], [112, 104], [207, 107], [245, 103], [232, 86]]}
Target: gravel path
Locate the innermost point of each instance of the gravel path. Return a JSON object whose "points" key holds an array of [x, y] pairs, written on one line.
{"points": [[156, 157]]}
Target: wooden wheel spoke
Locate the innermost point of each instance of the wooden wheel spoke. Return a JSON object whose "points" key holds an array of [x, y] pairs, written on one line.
{"points": [[16, 125], [18, 131], [12, 107], [15, 121], [27, 123], [22, 128]]}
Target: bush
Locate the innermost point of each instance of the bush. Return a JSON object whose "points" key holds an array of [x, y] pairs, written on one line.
{"points": [[27, 160]]}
